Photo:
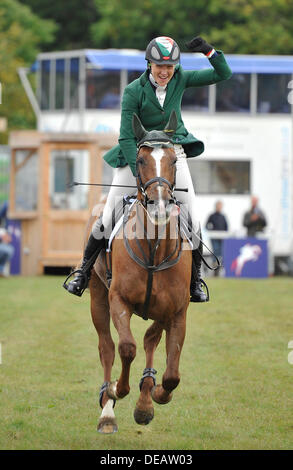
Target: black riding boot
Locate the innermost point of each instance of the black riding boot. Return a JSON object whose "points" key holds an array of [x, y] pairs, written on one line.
{"points": [[82, 275], [196, 292]]}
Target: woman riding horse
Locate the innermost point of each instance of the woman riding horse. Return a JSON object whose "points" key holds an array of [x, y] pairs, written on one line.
{"points": [[152, 97], [148, 254]]}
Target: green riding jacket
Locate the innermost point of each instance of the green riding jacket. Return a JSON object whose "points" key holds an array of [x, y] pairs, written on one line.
{"points": [[139, 97]]}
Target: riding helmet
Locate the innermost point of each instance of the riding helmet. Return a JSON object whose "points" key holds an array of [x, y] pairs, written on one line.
{"points": [[163, 50]]}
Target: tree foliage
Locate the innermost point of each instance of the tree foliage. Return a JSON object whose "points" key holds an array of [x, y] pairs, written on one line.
{"points": [[73, 18], [236, 26], [20, 35]]}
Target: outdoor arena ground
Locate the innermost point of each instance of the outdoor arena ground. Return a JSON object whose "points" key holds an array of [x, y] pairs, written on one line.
{"points": [[236, 389]]}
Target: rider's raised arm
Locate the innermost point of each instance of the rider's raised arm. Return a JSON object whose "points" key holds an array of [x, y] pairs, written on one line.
{"points": [[220, 71]]}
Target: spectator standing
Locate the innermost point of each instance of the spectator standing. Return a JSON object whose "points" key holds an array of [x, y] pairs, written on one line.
{"points": [[254, 219], [218, 222]]}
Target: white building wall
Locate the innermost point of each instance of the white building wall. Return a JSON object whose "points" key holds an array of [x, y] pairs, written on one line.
{"points": [[266, 141]]}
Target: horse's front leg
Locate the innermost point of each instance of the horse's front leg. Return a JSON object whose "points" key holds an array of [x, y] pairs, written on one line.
{"points": [[101, 319], [144, 410], [175, 336], [121, 314]]}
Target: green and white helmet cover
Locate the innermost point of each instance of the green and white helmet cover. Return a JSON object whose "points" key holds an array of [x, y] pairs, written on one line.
{"points": [[163, 50]]}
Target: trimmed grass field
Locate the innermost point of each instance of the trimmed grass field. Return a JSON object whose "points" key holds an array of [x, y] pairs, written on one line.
{"points": [[236, 389]]}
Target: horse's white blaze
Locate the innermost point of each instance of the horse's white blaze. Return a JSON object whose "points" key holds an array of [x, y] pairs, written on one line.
{"points": [[157, 155], [108, 409]]}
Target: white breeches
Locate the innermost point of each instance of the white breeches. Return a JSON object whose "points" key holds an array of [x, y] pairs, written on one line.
{"points": [[124, 176]]}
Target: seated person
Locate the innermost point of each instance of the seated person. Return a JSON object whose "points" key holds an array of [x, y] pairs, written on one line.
{"points": [[6, 250], [111, 99]]}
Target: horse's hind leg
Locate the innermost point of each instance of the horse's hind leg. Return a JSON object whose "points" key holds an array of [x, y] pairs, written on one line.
{"points": [[101, 319], [175, 336], [144, 410]]}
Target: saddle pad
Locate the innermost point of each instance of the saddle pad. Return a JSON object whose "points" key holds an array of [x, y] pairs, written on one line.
{"points": [[117, 218]]}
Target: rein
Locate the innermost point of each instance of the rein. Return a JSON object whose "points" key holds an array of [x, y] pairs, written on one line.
{"points": [[147, 262]]}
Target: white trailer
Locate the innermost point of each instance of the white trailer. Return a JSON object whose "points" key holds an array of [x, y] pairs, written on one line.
{"points": [[248, 146]]}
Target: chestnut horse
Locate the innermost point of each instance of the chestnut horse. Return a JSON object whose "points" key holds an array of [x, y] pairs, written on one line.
{"points": [[150, 277]]}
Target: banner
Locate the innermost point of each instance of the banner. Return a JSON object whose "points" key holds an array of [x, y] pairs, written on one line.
{"points": [[245, 257], [13, 227]]}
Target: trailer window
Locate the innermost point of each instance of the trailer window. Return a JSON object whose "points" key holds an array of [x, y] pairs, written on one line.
{"points": [[234, 95], [60, 84], [272, 93], [196, 99], [74, 83], [67, 166], [133, 75], [26, 180], [45, 84], [102, 89], [221, 177]]}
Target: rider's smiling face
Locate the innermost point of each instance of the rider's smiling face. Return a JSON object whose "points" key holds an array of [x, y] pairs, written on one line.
{"points": [[162, 73]]}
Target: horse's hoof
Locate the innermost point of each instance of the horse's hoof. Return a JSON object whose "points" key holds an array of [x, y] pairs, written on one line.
{"points": [[161, 398], [111, 390], [107, 426], [143, 417]]}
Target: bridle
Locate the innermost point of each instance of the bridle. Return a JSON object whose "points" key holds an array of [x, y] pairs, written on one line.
{"points": [[142, 187]]}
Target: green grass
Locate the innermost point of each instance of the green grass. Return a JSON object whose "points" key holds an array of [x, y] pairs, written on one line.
{"points": [[236, 389]]}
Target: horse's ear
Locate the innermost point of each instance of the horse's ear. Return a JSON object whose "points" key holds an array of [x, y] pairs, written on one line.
{"points": [[138, 129], [172, 124]]}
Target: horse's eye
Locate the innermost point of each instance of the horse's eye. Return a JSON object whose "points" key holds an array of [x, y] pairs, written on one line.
{"points": [[173, 163], [140, 161]]}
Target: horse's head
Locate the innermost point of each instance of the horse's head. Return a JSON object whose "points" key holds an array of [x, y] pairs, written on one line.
{"points": [[156, 169]]}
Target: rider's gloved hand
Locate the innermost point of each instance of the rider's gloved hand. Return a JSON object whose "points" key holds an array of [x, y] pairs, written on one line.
{"points": [[198, 44]]}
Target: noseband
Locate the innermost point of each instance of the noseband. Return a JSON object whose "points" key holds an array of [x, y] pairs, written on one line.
{"points": [[157, 179]]}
